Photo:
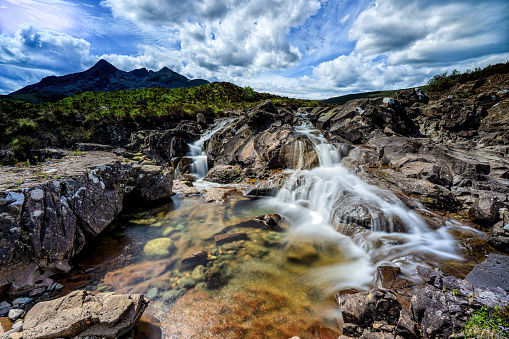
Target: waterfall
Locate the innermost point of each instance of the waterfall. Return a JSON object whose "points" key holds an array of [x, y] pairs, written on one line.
{"points": [[315, 200], [199, 166]]}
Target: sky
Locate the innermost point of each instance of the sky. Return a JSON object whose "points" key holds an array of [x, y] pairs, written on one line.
{"points": [[311, 49]]}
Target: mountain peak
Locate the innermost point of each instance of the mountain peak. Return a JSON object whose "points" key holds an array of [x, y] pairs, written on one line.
{"points": [[104, 65]]}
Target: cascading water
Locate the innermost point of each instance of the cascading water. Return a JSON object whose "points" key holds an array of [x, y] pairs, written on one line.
{"points": [[199, 166], [327, 199]]}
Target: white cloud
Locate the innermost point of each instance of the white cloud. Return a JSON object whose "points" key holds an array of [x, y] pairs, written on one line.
{"points": [[226, 36], [34, 52], [56, 14]]}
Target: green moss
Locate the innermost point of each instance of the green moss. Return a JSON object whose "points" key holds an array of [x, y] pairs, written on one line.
{"points": [[488, 323]]}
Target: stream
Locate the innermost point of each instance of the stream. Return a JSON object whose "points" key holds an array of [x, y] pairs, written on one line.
{"points": [[274, 281]]}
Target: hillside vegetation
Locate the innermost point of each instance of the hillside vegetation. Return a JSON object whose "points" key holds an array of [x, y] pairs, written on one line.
{"points": [[87, 117]]}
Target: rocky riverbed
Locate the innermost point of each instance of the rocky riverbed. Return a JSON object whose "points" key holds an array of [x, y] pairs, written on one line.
{"points": [[442, 160]]}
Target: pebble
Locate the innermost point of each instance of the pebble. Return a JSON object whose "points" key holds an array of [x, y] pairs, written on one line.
{"points": [[21, 301], [15, 313], [152, 293], [37, 292], [173, 294], [186, 282]]}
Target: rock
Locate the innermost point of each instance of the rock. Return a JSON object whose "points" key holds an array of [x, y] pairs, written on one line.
{"points": [[486, 208], [59, 215], [222, 239], [15, 331], [152, 293], [302, 253], [387, 275], [5, 325], [491, 273], [406, 327], [160, 247], [196, 259], [438, 313], [173, 295], [225, 174], [31, 278], [365, 308], [82, 314], [15, 313], [199, 273], [408, 97], [270, 221], [219, 194], [499, 236], [214, 278], [21, 302], [186, 282]]}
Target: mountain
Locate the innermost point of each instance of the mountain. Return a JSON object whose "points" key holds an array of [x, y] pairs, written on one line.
{"points": [[103, 76]]}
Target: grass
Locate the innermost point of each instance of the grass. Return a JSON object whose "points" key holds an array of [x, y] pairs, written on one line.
{"points": [[107, 117], [376, 94], [488, 323]]}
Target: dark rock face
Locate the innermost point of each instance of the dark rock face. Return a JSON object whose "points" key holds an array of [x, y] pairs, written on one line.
{"points": [[47, 223], [357, 119], [82, 314], [103, 76], [261, 139], [444, 305], [491, 273]]}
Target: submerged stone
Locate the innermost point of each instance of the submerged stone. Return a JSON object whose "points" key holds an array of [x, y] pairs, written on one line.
{"points": [[159, 247]]}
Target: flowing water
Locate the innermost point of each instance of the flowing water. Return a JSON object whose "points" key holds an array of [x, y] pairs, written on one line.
{"points": [[273, 282], [199, 166]]}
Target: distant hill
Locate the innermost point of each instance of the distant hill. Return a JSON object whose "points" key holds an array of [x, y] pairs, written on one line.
{"points": [[103, 76], [340, 100]]}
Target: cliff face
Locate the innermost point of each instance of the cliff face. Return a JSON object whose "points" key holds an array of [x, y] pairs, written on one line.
{"points": [[103, 76]]}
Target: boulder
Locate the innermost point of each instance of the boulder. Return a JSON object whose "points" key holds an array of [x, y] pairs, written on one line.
{"points": [[83, 314], [365, 308], [225, 174], [219, 194], [492, 273], [160, 247], [486, 208]]}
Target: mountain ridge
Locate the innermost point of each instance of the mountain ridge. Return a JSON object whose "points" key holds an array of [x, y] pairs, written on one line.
{"points": [[103, 76]]}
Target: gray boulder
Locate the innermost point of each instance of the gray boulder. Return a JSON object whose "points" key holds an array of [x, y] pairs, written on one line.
{"points": [[82, 314]]}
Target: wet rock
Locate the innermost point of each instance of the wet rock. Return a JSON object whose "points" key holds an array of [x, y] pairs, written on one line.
{"points": [[486, 208], [302, 253], [491, 273], [270, 221], [219, 194], [139, 278], [214, 277], [5, 325], [82, 314], [198, 274], [159, 247], [60, 215], [173, 295], [365, 308], [15, 313], [386, 275], [225, 174], [196, 259], [499, 236], [222, 239], [186, 282]]}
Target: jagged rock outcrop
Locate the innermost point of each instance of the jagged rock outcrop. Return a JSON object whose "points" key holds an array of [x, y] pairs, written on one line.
{"points": [[262, 138], [83, 314], [57, 208]]}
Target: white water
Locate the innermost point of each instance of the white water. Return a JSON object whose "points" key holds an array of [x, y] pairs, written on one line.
{"points": [[315, 200], [199, 166]]}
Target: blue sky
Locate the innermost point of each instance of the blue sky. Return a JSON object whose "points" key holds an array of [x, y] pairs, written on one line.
{"points": [[298, 48]]}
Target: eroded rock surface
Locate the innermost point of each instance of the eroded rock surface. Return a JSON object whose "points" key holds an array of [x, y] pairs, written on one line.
{"points": [[83, 314], [57, 207]]}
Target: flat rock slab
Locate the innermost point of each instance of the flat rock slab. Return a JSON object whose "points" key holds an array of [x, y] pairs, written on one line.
{"points": [[491, 273]]}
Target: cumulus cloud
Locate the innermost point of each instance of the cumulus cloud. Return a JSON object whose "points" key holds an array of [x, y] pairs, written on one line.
{"points": [[226, 36], [33, 52], [403, 43]]}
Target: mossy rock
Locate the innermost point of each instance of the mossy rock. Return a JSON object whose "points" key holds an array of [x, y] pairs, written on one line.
{"points": [[160, 247]]}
